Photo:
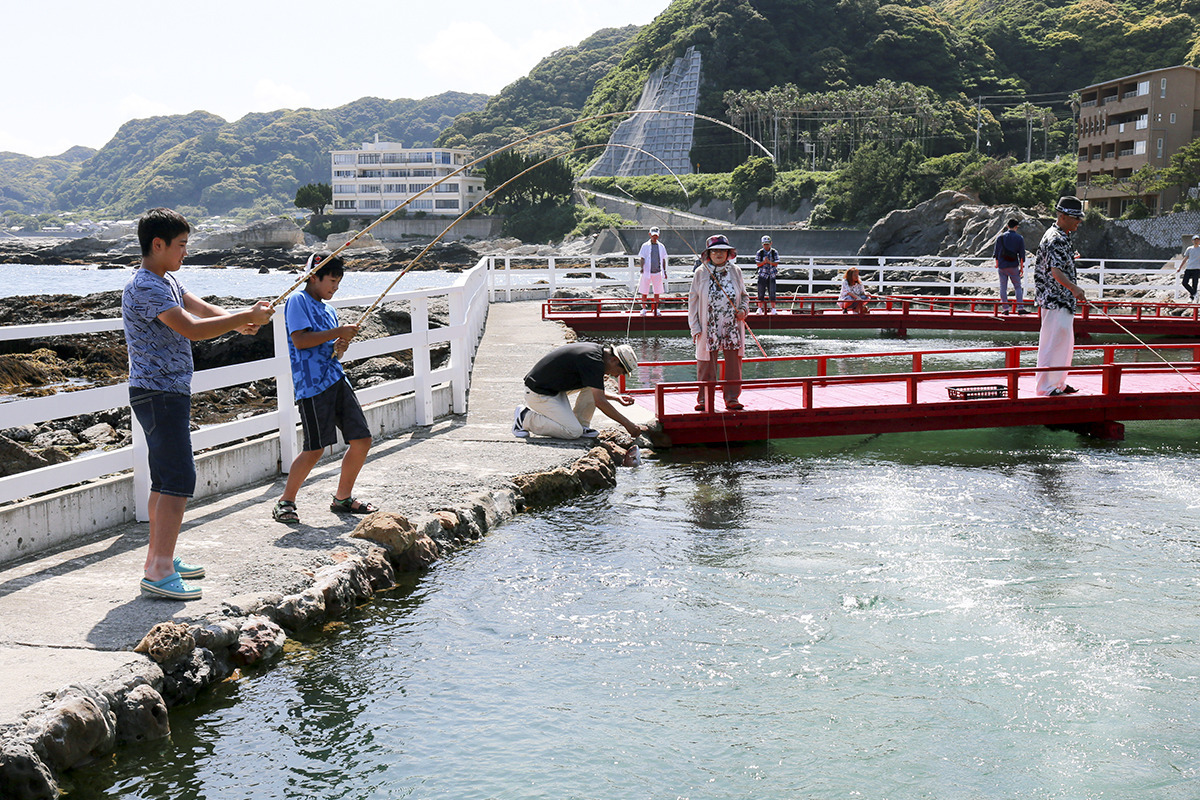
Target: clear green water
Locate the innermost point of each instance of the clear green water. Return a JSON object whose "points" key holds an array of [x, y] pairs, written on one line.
{"points": [[1006, 613]]}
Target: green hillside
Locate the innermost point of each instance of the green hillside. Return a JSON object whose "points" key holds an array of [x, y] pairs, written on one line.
{"points": [[27, 184], [209, 166], [552, 93], [956, 48]]}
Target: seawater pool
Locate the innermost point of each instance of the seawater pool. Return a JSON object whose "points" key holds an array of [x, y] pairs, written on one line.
{"points": [[985, 614], [995, 613]]}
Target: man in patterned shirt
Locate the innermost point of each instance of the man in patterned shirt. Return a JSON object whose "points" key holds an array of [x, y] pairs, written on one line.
{"points": [[1057, 293]]}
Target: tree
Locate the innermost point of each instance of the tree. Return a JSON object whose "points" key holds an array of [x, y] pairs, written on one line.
{"points": [[314, 197], [748, 178], [1140, 183], [1184, 172]]}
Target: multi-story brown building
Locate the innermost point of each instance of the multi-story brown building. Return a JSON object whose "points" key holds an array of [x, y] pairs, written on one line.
{"points": [[1129, 123]]}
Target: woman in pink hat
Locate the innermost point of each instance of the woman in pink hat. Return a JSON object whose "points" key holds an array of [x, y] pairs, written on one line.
{"points": [[717, 304]]}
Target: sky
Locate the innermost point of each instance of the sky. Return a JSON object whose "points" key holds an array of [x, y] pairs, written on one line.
{"points": [[76, 71]]}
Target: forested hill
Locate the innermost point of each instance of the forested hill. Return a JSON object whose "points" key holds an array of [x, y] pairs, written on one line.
{"points": [[205, 165], [551, 94], [27, 184], [955, 48]]}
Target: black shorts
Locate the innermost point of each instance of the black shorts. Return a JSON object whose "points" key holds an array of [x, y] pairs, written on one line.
{"points": [[336, 408]]}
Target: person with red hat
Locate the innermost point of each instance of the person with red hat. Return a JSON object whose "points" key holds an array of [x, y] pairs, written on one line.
{"points": [[717, 305]]}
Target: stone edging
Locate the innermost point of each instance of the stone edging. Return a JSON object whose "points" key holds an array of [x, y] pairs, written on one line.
{"points": [[82, 723]]}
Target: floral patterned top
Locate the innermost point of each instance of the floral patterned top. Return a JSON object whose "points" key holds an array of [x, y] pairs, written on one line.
{"points": [[723, 325], [1056, 250]]}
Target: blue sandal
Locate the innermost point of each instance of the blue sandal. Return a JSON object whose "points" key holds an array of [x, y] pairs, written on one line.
{"points": [[171, 587], [187, 570]]}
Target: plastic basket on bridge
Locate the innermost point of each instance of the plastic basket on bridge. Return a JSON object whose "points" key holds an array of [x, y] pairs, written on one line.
{"points": [[977, 392]]}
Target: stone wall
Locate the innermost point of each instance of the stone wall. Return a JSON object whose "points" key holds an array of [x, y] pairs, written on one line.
{"points": [[1168, 230]]}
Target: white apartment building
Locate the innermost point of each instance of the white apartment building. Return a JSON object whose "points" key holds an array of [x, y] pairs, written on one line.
{"points": [[383, 175]]}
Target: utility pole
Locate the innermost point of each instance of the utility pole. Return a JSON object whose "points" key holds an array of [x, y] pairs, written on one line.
{"points": [[978, 120]]}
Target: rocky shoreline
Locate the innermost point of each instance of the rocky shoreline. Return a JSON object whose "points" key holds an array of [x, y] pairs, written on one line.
{"points": [[81, 723], [46, 365]]}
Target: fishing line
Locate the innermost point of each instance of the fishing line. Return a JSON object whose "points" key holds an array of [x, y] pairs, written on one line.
{"points": [[1143, 344], [472, 209], [510, 146]]}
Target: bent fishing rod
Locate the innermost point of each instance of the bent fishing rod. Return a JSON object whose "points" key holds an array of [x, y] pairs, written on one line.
{"points": [[483, 200], [666, 220], [510, 146]]}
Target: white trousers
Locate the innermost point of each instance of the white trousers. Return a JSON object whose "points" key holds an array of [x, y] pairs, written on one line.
{"points": [[1056, 346], [552, 415]]}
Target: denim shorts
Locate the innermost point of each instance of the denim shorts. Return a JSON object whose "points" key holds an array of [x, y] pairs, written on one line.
{"points": [[166, 419]]}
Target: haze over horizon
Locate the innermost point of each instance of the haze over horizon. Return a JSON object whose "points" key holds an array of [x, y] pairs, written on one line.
{"points": [[130, 59]]}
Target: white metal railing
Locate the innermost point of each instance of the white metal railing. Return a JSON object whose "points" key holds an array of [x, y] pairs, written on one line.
{"points": [[467, 299], [539, 276]]}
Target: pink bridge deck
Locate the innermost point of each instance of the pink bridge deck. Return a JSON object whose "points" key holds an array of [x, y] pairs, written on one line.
{"points": [[900, 313], [829, 405]]}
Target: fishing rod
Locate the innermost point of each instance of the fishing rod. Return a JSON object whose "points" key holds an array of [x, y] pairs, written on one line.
{"points": [[483, 200], [1153, 352], [505, 148], [667, 221]]}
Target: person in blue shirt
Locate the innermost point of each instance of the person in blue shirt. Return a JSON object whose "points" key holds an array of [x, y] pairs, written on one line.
{"points": [[326, 400], [161, 320], [1009, 252]]}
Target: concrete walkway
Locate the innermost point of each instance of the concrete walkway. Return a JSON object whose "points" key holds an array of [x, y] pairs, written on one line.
{"points": [[74, 616]]}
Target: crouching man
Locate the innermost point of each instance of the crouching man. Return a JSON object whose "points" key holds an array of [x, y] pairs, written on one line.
{"points": [[574, 369]]}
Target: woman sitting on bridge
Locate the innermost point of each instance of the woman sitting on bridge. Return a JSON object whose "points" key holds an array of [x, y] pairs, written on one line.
{"points": [[717, 305], [854, 296]]}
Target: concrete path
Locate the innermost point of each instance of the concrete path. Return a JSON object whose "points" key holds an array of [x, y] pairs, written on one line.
{"points": [[74, 616]]}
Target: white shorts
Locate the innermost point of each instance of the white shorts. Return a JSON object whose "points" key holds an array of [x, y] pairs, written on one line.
{"points": [[651, 283]]}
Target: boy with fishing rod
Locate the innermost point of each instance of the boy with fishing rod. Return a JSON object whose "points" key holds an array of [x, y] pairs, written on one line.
{"points": [[161, 320], [327, 402]]}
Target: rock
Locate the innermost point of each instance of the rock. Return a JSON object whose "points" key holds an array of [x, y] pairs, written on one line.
{"points": [[21, 433], [141, 716], [100, 433], [220, 635], [546, 488], [378, 569], [920, 230], [343, 586], [56, 438], [364, 242], [299, 611], [15, 458], [167, 642], [267, 233], [23, 776], [260, 639], [200, 669], [244, 605], [75, 729], [409, 548]]}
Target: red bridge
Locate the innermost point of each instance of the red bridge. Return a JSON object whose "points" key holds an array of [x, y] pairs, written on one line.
{"points": [[894, 312], [823, 404]]}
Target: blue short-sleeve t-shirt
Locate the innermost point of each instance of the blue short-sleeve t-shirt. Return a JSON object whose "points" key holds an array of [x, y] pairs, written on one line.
{"points": [[314, 369], [159, 358]]}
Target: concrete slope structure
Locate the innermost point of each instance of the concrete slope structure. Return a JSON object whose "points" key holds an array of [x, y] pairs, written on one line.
{"points": [[667, 136]]}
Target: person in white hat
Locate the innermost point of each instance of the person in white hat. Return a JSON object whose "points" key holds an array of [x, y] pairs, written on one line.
{"points": [[1190, 265], [1057, 295], [574, 369], [654, 271], [767, 261]]}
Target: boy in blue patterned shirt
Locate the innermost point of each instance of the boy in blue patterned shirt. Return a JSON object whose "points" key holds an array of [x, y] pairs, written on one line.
{"points": [[324, 395], [161, 320]]}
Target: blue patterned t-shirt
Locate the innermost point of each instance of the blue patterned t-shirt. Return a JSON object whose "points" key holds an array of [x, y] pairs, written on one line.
{"points": [[314, 369], [159, 358]]}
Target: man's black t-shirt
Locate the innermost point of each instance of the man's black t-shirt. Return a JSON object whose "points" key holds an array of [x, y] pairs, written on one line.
{"points": [[570, 367]]}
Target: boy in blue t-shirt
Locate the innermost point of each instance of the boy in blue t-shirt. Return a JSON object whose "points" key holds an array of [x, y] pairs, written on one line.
{"points": [[161, 321], [324, 395]]}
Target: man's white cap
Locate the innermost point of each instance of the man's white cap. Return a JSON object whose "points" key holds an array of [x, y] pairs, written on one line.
{"points": [[1196, 235], [654, 232], [766, 239]]}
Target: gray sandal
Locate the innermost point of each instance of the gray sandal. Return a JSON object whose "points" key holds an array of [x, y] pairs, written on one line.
{"points": [[285, 511]]}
